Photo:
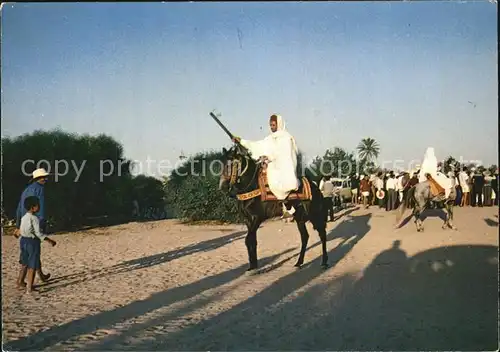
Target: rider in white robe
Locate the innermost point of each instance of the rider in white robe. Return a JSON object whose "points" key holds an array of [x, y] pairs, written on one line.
{"points": [[281, 151], [430, 166]]}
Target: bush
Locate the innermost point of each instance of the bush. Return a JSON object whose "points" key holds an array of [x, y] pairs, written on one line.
{"points": [[69, 201], [193, 195]]}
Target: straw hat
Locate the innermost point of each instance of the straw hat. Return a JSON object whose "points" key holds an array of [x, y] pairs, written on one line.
{"points": [[380, 194], [39, 173]]}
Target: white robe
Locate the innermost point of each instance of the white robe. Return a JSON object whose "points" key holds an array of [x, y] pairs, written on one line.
{"points": [[280, 148], [463, 180], [430, 166]]}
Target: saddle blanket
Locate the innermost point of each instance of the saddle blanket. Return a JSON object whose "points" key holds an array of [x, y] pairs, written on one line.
{"points": [[440, 185], [303, 193]]}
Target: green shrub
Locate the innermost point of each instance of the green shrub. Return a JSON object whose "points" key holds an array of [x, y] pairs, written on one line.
{"points": [[69, 201], [193, 195]]}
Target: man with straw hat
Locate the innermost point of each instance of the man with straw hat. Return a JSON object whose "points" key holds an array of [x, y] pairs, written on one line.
{"points": [[35, 188]]}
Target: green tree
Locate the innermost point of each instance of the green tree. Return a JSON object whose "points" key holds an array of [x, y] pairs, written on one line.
{"points": [[337, 162], [71, 198], [192, 193], [368, 149]]}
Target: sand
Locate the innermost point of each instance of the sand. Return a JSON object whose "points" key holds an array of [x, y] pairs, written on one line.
{"points": [[168, 286]]}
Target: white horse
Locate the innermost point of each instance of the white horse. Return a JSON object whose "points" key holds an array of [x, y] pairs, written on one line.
{"points": [[420, 196]]}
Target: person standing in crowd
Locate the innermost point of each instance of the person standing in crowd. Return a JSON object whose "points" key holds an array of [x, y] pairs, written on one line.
{"points": [[494, 187], [458, 188], [379, 185], [477, 188], [471, 185], [386, 194], [487, 189], [365, 187], [453, 179], [354, 189], [326, 188], [373, 188], [391, 192], [35, 188], [463, 178], [399, 189]]}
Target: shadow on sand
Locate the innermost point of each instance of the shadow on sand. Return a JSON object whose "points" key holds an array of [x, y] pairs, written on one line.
{"points": [[491, 222], [440, 299], [427, 213], [241, 317], [141, 263]]}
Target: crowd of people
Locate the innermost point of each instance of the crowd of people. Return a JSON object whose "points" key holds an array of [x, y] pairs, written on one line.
{"points": [[473, 188]]}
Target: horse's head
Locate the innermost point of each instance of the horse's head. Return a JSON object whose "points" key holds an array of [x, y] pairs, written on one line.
{"points": [[238, 169]]}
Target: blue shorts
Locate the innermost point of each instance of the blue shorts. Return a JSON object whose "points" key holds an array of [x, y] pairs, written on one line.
{"points": [[30, 252]]}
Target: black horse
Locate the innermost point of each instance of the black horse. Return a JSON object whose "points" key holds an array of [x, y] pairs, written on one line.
{"points": [[240, 176]]}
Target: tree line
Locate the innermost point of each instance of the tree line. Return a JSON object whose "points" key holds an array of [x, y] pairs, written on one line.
{"points": [[78, 199]]}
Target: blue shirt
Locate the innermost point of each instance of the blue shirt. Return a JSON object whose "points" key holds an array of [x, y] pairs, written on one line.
{"points": [[35, 189]]}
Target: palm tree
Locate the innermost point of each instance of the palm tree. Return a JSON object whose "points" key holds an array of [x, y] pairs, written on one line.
{"points": [[368, 149]]}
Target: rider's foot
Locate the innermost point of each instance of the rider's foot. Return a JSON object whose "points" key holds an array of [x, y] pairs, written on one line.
{"points": [[287, 208]]}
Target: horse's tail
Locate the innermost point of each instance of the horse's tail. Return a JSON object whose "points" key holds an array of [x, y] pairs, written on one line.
{"points": [[317, 207], [407, 199]]}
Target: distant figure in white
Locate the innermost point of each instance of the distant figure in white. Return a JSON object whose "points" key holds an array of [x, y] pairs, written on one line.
{"points": [[279, 151], [430, 166]]}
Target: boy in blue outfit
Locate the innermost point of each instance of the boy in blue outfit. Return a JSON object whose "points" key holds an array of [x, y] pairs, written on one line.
{"points": [[30, 242], [35, 188]]}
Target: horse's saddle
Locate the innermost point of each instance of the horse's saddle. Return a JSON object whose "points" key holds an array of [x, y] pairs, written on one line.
{"points": [[303, 192], [263, 190], [436, 190]]}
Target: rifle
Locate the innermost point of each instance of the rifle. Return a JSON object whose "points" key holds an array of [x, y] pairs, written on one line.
{"points": [[222, 126], [240, 147]]}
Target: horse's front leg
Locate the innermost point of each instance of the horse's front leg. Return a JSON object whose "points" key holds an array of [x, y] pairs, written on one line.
{"points": [[251, 244], [322, 236], [446, 218], [304, 238], [418, 221], [449, 208]]}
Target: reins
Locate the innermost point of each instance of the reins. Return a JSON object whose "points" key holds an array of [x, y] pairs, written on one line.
{"points": [[237, 172]]}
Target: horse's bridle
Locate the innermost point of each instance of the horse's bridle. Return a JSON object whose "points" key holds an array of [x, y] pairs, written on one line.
{"points": [[236, 172]]}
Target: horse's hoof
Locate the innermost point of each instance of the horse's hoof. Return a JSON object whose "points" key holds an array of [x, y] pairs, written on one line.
{"points": [[324, 266], [298, 265], [251, 272]]}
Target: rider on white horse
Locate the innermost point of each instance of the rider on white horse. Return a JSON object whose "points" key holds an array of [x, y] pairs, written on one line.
{"points": [[430, 166]]}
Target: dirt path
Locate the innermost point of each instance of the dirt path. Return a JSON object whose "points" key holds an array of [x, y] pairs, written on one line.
{"points": [[168, 286]]}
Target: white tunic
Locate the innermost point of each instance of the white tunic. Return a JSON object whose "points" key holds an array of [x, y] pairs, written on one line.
{"points": [[463, 179], [280, 148], [429, 166]]}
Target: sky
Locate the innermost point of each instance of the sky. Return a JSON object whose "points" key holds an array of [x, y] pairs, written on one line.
{"points": [[408, 74]]}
